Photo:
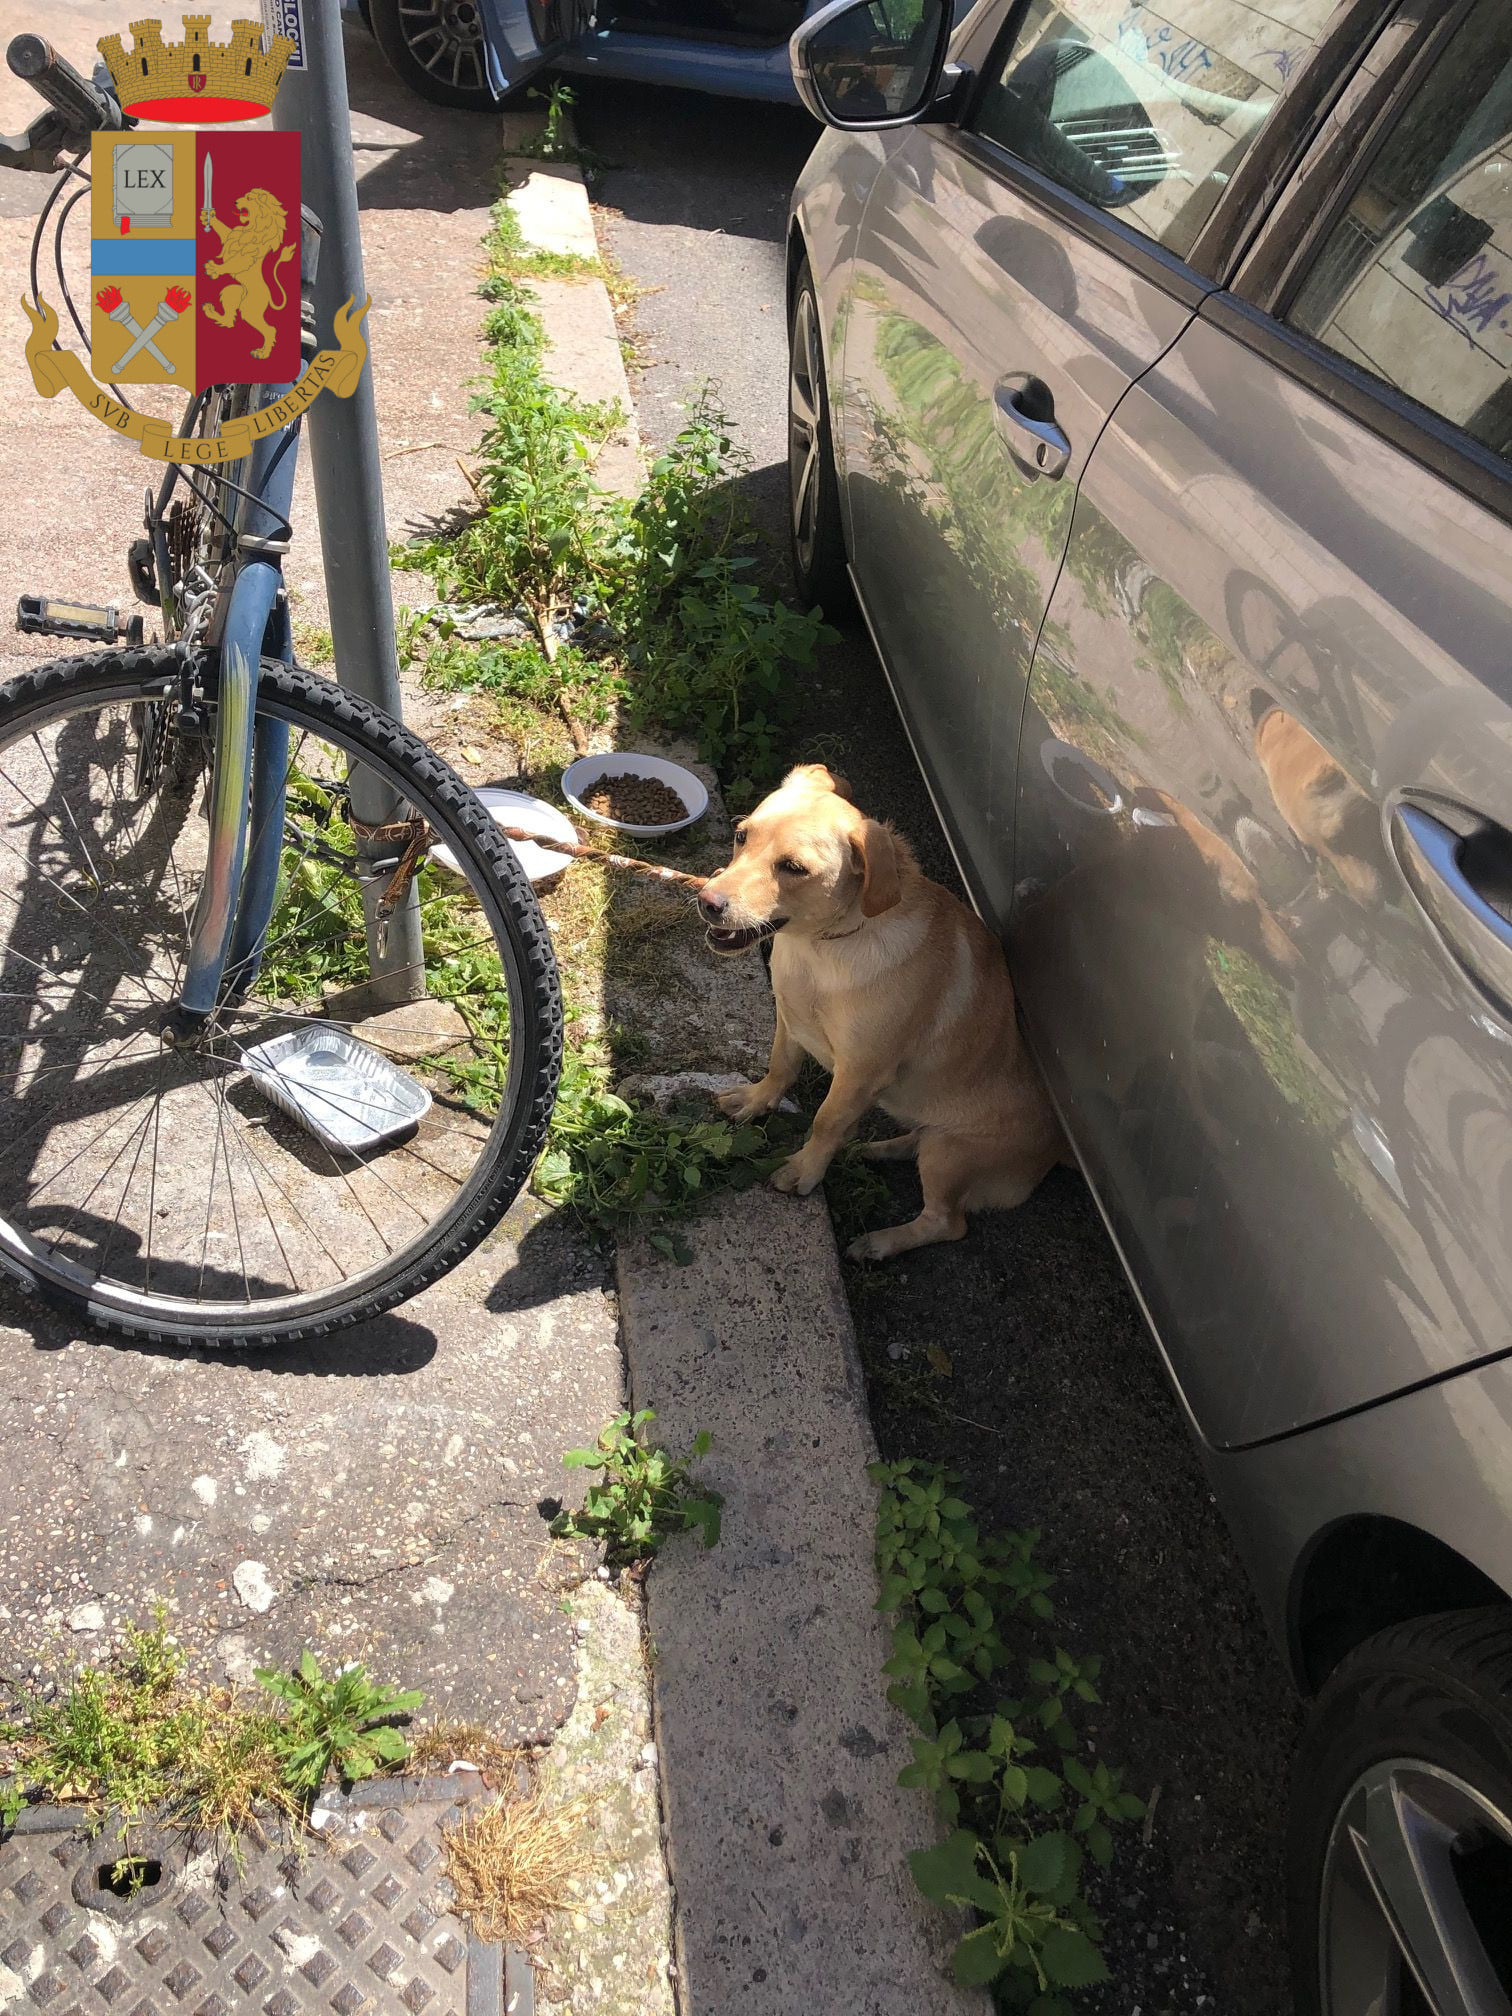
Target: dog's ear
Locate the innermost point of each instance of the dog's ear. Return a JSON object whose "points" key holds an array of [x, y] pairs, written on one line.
{"points": [[817, 778], [875, 853]]}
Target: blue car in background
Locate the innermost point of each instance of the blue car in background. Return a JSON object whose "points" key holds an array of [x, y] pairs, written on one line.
{"points": [[473, 53]]}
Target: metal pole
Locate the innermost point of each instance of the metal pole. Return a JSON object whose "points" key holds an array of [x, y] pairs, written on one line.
{"points": [[343, 438]]}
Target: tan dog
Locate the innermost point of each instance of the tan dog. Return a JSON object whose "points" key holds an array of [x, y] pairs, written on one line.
{"points": [[899, 992], [1322, 804]]}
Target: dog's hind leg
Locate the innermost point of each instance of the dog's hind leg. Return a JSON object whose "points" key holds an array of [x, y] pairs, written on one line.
{"points": [[897, 1148]]}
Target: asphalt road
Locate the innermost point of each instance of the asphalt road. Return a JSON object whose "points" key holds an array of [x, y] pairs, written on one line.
{"points": [[1053, 1407]]}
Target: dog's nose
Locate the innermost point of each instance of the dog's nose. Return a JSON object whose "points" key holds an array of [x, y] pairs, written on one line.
{"points": [[713, 905]]}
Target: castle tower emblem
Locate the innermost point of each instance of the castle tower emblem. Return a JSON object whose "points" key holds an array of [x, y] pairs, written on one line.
{"points": [[198, 81]]}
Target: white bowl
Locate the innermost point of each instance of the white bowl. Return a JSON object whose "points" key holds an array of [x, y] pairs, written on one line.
{"points": [[585, 773], [531, 815]]}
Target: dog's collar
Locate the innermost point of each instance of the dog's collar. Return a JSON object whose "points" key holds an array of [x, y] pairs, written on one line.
{"points": [[829, 937]]}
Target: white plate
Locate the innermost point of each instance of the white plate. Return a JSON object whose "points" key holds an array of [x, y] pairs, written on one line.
{"points": [[585, 773], [531, 815]]}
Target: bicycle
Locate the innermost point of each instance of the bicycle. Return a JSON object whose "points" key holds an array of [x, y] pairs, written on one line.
{"points": [[199, 842]]}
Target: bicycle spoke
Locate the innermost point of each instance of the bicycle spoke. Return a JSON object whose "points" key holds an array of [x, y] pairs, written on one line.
{"points": [[241, 1147], [5, 775], [310, 1229], [241, 1251], [209, 1202], [68, 897], [76, 1211]]}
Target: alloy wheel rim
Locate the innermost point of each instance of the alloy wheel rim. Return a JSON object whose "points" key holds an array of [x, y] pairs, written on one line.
{"points": [[803, 431], [445, 37], [1400, 1928]]}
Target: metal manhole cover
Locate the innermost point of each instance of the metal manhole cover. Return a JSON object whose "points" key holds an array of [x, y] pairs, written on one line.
{"points": [[356, 1923]]}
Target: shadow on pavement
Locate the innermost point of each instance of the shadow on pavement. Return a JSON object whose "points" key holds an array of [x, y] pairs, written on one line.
{"points": [[729, 168], [426, 157], [383, 1349]]}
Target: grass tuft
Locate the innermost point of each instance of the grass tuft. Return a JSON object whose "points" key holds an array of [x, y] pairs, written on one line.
{"points": [[436, 1746], [137, 1736], [514, 1862]]}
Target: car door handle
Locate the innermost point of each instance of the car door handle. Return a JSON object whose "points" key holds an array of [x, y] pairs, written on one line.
{"points": [[1025, 415], [1477, 933]]}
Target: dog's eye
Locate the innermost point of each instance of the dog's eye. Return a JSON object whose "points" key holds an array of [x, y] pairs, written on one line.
{"points": [[740, 836], [791, 868]]}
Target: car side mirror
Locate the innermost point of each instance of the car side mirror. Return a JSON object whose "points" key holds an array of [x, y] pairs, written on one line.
{"points": [[864, 64]]}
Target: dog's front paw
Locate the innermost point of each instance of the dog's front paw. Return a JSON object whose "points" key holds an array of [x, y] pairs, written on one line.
{"points": [[744, 1102], [798, 1175], [870, 1246]]}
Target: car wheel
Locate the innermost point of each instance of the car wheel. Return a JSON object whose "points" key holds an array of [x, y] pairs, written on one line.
{"points": [[436, 48], [813, 490], [1400, 1853]]}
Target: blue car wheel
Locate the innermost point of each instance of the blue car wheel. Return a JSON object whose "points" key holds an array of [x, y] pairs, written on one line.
{"points": [[436, 48]]}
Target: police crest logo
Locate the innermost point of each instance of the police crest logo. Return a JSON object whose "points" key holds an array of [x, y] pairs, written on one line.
{"points": [[195, 243]]}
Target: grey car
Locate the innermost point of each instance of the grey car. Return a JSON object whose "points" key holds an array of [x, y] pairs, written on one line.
{"points": [[1150, 392]]}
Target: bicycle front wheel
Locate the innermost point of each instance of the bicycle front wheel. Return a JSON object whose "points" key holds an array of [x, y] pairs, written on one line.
{"points": [[243, 1187]]}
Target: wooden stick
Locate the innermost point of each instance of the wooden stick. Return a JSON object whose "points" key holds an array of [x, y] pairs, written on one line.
{"points": [[581, 852], [551, 644]]}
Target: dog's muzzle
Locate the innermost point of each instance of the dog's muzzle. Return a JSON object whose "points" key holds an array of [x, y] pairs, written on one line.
{"points": [[729, 942]]}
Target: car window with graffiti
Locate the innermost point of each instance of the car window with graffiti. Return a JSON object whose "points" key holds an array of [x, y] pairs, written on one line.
{"points": [[1414, 282], [1145, 107]]}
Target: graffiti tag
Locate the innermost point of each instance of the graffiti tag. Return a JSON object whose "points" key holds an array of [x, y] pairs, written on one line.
{"points": [[1475, 299]]}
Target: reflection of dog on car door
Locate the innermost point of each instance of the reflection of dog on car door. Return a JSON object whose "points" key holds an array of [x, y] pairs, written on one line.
{"points": [[899, 991], [1323, 806]]}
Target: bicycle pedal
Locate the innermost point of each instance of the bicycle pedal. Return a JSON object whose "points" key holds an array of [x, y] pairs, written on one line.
{"points": [[46, 616]]}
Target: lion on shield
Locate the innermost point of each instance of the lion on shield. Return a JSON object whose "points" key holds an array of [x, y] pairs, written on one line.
{"points": [[262, 221]]}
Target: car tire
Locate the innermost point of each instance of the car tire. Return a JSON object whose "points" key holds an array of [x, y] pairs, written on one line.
{"points": [[436, 48], [1401, 1824], [814, 527]]}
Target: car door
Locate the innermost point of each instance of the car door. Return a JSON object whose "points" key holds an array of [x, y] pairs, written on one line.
{"points": [[1263, 933], [1014, 275], [522, 36]]}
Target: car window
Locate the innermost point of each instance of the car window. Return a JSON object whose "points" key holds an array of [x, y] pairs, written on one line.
{"points": [[1141, 111], [1414, 281]]}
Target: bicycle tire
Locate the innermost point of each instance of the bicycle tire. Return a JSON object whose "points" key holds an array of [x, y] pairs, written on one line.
{"points": [[515, 1137]]}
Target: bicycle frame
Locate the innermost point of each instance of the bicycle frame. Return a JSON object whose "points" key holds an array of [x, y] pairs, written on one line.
{"points": [[249, 767]]}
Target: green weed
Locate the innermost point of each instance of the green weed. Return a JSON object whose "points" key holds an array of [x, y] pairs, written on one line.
{"points": [[341, 1727], [681, 632], [557, 141], [313, 644], [136, 1737], [1022, 1807], [856, 1191], [616, 1164], [643, 1497]]}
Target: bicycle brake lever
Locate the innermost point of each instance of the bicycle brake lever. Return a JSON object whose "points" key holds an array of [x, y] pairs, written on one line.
{"points": [[38, 147]]}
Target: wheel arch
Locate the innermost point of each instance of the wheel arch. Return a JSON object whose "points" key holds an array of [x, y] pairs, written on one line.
{"points": [[1362, 1575], [797, 252]]}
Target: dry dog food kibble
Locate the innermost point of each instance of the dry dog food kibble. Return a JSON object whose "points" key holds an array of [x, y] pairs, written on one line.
{"points": [[638, 801]]}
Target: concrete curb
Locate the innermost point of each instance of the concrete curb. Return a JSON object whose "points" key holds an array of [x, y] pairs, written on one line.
{"points": [[778, 1751], [550, 199]]}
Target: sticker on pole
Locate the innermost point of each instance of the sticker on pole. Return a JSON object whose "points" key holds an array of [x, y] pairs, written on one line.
{"points": [[285, 18], [195, 246]]}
